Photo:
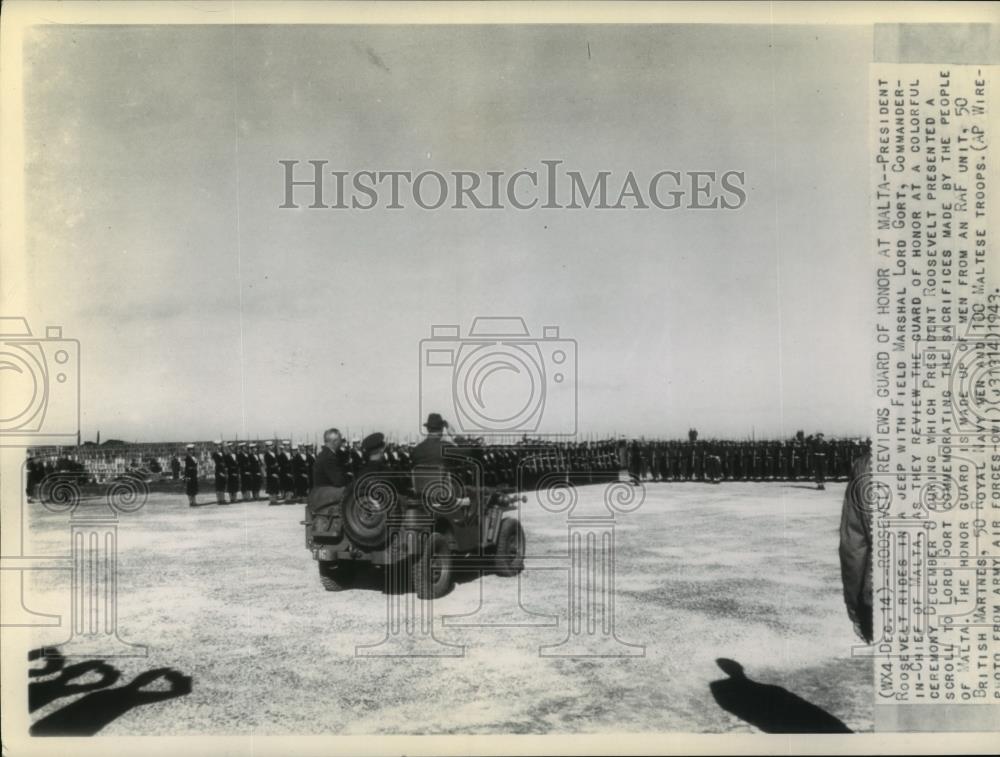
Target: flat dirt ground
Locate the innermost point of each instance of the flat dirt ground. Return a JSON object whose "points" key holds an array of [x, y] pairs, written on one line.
{"points": [[230, 597]]}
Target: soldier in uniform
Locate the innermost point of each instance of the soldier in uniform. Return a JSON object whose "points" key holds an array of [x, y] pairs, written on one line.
{"points": [[300, 473], [405, 463], [286, 482], [232, 474], [800, 468], [357, 457], [713, 468], [243, 462], [191, 476], [645, 458], [662, 467], [834, 465], [373, 450], [219, 458], [310, 464], [256, 472], [733, 461], [175, 467], [273, 478], [790, 461], [819, 461], [634, 461]]}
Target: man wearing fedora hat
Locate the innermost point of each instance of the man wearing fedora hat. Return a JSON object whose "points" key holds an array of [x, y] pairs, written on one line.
{"points": [[430, 452]]}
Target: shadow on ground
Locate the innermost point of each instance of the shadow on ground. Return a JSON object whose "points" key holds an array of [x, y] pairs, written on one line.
{"points": [[378, 580], [770, 708], [100, 704]]}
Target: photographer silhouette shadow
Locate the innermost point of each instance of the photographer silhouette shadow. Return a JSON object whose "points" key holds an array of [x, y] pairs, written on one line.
{"points": [[100, 704], [770, 708]]}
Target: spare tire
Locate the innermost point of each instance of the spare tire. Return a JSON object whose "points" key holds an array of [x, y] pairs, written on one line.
{"points": [[365, 511]]}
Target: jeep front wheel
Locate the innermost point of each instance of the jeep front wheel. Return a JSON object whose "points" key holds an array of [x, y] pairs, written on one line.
{"points": [[510, 548], [432, 570]]}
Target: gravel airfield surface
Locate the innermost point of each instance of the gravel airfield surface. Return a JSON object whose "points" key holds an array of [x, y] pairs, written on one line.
{"points": [[230, 597]]}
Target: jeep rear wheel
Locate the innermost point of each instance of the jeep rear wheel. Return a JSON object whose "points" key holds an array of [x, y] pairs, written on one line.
{"points": [[510, 548], [336, 577], [432, 570], [365, 521]]}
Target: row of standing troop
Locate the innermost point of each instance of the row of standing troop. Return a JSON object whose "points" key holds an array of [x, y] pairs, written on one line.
{"points": [[812, 458], [284, 471]]}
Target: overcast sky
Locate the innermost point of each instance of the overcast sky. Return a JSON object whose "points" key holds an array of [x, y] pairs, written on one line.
{"points": [[155, 236]]}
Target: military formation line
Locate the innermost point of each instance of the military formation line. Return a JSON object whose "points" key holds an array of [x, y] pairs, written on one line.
{"points": [[281, 471]]}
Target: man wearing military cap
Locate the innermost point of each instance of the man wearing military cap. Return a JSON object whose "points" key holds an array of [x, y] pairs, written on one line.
{"points": [[232, 474], [256, 472], [819, 462], [273, 481], [373, 446], [219, 458], [300, 480], [287, 484], [310, 464], [373, 477], [243, 460], [191, 476]]}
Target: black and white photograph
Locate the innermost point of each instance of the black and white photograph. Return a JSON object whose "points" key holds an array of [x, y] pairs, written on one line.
{"points": [[499, 378]]}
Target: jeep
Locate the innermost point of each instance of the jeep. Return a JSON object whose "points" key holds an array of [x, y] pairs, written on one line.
{"points": [[423, 522]]}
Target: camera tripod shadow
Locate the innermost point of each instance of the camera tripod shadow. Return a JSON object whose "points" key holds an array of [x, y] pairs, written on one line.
{"points": [[770, 708], [100, 704]]}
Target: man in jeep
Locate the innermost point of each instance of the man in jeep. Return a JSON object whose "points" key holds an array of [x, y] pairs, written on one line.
{"points": [[375, 480], [329, 478], [436, 452], [430, 451], [415, 521]]}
